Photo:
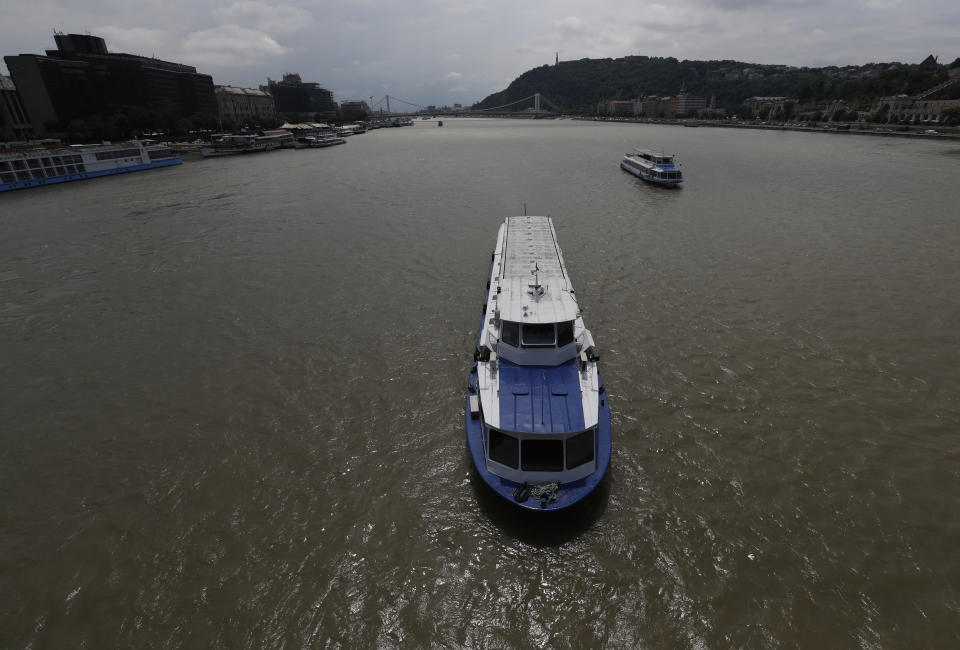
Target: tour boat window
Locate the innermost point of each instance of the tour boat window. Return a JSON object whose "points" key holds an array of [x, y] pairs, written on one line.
{"points": [[564, 333], [504, 449], [542, 455], [580, 449], [538, 335], [510, 333]]}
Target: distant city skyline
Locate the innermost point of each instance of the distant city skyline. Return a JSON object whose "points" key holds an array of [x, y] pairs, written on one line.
{"points": [[447, 51]]}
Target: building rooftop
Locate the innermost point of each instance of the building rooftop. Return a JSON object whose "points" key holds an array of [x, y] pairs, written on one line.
{"points": [[233, 90]]}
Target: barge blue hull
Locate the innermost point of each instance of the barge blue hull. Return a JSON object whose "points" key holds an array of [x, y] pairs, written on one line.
{"points": [[66, 178]]}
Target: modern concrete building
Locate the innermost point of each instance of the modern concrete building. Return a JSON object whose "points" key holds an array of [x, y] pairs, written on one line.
{"points": [[245, 104], [81, 78], [682, 105], [307, 99], [13, 118]]}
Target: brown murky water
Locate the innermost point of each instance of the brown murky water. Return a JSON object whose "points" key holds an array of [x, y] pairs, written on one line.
{"points": [[232, 395]]}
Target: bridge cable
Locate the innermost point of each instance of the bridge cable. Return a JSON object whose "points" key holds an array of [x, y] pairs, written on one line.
{"points": [[493, 108]]}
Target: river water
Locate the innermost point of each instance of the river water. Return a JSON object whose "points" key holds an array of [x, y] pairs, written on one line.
{"points": [[232, 397]]}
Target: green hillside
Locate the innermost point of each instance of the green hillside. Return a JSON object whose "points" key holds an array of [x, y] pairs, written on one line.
{"points": [[577, 86]]}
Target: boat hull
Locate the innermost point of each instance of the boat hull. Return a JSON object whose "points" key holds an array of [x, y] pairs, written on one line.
{"points": [[650, 179]]}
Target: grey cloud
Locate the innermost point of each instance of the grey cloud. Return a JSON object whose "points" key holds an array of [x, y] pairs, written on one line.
{"points": [[409, 47]]}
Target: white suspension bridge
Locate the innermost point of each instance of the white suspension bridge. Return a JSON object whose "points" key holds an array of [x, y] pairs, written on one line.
{"points": [[532, 106]]}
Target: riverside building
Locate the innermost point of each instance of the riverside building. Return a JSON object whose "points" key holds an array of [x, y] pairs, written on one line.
{"points": [[307, 99], [81, 78], [13, 117], [245, 104]]}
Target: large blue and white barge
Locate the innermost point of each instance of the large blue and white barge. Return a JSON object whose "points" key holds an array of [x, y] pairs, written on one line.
{"points": [[537, 414], [44, 166], [657, 168]]}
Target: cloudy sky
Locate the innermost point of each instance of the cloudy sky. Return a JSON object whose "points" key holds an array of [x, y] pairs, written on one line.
{"points": [[446, 51]]}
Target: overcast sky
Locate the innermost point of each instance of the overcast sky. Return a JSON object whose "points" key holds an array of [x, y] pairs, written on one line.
{"points": [[447, 51]]}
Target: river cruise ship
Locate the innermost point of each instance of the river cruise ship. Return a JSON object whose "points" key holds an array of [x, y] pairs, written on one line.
{"points": [[44, 166], [653, 167], [537, 413]]}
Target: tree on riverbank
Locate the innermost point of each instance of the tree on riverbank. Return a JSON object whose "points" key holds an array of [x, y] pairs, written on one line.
{"points": [[137, 122]]}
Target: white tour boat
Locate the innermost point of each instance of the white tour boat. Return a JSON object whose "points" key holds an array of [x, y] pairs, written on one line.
{"points": [[321, 141], [653, 167], [231, 145], [44, 166], [537, 414]]}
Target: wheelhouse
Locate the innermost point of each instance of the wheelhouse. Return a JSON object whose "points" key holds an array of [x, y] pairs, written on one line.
{"points": [[524, 457]]}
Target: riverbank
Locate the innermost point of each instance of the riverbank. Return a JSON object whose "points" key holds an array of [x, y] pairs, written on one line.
{"points": [[849, 128]]}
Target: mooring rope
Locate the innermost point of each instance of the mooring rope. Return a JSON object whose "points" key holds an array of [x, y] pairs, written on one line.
{"points": [[545, 493]]}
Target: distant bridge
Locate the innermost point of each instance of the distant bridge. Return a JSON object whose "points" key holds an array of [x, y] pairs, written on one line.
{"points": [[531, 106]]}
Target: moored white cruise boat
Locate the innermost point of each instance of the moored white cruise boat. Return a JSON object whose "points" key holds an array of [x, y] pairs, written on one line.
{"points": [[231, 145], [321, 141], [537, 413], [653, 167], [45, 166]]}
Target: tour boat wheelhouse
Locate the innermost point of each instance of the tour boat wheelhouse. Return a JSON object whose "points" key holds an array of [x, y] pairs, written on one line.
{"points": [[653, 167], [537, 414]]}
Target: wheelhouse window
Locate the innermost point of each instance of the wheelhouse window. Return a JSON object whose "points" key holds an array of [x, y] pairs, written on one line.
{"points": [[580, 449], [504, 449], [542, 455], [539, 335], [510, 333], [564, 333]]}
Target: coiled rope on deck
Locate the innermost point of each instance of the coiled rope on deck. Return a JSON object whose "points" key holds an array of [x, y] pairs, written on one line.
{"points": [[545, 493]]}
